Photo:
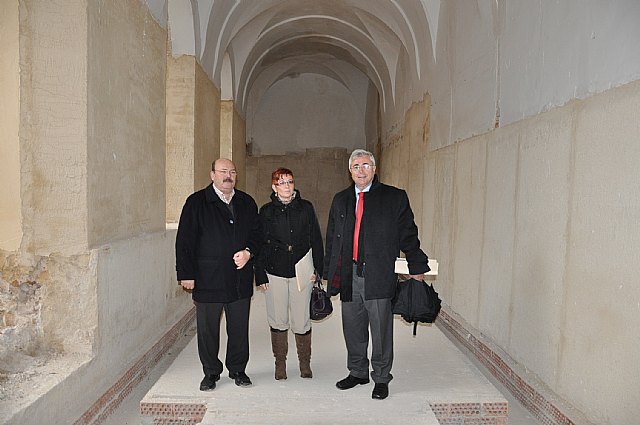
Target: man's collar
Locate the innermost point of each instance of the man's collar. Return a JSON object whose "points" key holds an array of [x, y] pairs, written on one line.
{"points": [[222, 196], [366, 189]]}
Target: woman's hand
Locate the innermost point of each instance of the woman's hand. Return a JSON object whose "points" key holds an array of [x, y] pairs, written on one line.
{"points": [[264, 286]]}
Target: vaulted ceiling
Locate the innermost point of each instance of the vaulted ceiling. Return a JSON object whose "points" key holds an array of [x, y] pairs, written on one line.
{"points": [[249, 45]]}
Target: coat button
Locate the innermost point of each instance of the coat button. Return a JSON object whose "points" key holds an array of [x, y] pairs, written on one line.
{"points": [[338, 236]]}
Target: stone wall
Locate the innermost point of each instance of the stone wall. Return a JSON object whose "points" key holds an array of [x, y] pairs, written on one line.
{"points": [[193, 131], [180, 133], [207, 128], [535, 229], [233, 139], [10, 215], [93, 285]]}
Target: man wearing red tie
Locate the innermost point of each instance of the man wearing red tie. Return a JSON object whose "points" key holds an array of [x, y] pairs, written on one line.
{"points": [[369, 224]]}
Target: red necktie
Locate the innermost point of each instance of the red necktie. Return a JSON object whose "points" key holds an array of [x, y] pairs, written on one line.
{"points": [[356, 230]]}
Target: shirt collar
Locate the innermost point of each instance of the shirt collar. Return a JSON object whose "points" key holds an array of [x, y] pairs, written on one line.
{"points": [[366, 189], [221, 195]]}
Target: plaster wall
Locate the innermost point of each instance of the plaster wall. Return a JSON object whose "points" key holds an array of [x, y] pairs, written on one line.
{"points": [[226, 128], [92, 146], [233, 139], [535, 229], [192, 131], [497, 63], [403, 162], [53, 126], [206, 127], [10, 211], [126, 125], [293, 115], [239, 143], [139, 300], [601, 316], [180, 158]]}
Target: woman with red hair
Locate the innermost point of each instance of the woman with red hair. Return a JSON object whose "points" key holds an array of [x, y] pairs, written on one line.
{"points": [[291, 234]]}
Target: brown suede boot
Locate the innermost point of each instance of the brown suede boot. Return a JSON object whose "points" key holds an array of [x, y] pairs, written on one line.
{"points": [[303, 344], [280, 346]]}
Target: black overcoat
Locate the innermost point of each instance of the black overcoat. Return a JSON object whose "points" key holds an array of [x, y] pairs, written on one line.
{"points": [[387, 228], [289, 231], [208, 237]]}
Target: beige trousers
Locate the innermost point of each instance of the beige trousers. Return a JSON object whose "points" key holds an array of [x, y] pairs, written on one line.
{"points": [[288, 307]]}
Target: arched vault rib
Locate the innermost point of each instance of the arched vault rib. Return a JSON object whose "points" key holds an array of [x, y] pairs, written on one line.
{"points": [[347, 24], [416, 51], [286, 68], [379, 82], [221, 32]]}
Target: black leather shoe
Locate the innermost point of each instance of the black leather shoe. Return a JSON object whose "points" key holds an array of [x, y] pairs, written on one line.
{"points": [[350, 382], [208, 383], [380, 391], [241, 379]]}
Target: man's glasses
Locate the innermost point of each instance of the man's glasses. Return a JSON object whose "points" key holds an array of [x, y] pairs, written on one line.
{"points": [[359, 167], [285, 183], [230, 172]]}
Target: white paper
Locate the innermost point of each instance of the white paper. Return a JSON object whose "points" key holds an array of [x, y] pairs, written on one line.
{"points": [[304, 270], [403, 268]]}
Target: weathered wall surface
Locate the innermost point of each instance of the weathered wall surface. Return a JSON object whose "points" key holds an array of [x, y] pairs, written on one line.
{"points": [[293, 114], [535, 229], [192, 135], [48, 326], [180, 129], [233, 139], [126, 146], [226, 128], [239, 146], [505, 61], [403, 162], [53, 126], [10, 214], [207, 127], [93, 286]]}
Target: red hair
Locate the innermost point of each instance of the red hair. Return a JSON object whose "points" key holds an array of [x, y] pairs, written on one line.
{"points": [[277, 175]]}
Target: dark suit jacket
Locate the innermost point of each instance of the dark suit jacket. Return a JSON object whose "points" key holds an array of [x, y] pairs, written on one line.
{"points": [[208, 237], [387, 228]]}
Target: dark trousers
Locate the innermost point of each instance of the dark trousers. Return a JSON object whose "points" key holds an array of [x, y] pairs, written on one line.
{"points": [[208, 317], [358, 316]]}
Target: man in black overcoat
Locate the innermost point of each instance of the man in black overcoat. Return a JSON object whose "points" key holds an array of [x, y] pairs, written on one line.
{"points": [[369, 224], [218, 236]]}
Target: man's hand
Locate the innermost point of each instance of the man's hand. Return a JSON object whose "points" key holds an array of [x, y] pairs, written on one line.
{"points": [[241, 258], [188, 284], [419, 277]]}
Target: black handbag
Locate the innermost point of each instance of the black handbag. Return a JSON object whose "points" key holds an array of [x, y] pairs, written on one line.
{"points": [[320, 304]]}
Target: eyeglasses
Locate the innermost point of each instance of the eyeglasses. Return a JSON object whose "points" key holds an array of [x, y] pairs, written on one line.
{"points": [[285, 183], [230, 172], [358, 167]]}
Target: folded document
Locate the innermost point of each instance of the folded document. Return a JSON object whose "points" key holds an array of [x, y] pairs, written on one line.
{"points": [[402, 267]]}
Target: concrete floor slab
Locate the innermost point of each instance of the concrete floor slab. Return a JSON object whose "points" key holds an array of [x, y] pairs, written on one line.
{"points": [[432, 379]]}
